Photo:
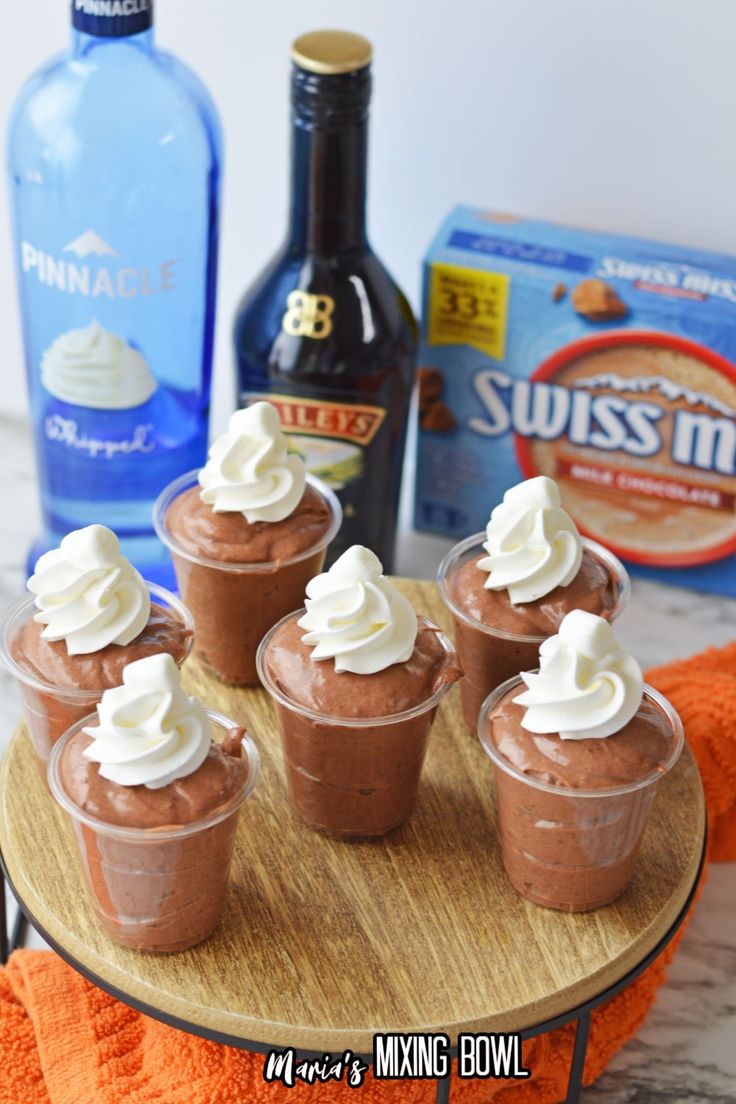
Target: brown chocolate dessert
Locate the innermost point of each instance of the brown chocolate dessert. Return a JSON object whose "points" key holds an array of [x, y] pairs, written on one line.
{"points": [[228, 537], [50, 662], [355, 780], [593, 764], [489, 659], [158, 895], [318, 687], [265, 568], [559, 850], [81, 679], [233, 610], [593, 589], [196, 797]]}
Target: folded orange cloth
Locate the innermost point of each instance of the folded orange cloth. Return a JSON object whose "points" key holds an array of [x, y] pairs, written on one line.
{"points": [[63, 1041]]}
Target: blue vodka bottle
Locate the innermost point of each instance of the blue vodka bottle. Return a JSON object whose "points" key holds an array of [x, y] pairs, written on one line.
{"points": [[114, 152]]}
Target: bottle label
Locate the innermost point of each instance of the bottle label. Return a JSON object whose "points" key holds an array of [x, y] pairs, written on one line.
{"points": [[118, 387], [331, 437], [112, 18], [308, 315]]}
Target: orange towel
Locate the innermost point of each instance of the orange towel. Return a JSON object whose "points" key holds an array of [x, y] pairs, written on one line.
{"points": [[62, 1041]]}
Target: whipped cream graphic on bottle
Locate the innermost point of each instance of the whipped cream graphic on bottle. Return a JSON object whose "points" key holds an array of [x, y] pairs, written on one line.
{"points": [[533, 544], [249, 470], [94, 368], [357, 617], [587, 686], [150, 733], [88, 594]]}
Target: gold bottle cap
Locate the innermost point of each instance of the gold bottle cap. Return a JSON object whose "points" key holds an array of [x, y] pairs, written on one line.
{"points": [[331, 52]]}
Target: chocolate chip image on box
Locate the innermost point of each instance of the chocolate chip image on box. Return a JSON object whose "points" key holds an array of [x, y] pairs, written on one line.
{"points": [[434, 415], [604, 362]]}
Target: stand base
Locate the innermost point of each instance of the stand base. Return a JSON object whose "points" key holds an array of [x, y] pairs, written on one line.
{"points": [[10, 942]]}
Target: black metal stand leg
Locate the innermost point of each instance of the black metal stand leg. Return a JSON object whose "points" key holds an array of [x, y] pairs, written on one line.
{"points": [[443, 1089], [3, 923], [575, 1084], [20, 928]]}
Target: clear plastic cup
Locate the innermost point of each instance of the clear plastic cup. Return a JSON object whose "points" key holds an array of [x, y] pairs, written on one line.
{"points": [[572, 849], [489, 656], [50, 710], [351, 776], [157, 889], [235, 604]]}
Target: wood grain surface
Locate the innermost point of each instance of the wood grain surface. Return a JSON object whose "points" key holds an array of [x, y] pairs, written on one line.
{"points": [[325, 942]]}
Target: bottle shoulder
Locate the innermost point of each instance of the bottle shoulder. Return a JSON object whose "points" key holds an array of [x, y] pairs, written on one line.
{"points": [[353, 272], [112, 91], [200, 96], [51, 74], [298, 301]]}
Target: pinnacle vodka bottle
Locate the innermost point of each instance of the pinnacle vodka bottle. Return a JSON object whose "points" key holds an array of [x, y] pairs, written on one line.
{"points": [[114, 153]]}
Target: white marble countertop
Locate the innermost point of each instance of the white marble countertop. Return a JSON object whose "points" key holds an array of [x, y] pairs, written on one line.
{"points": [[686, 1051]]}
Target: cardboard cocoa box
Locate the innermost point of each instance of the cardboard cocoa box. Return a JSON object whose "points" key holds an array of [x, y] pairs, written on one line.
{"points": [[605, 362]]}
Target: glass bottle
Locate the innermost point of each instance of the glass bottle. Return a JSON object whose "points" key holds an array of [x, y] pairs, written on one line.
{"points": [[325, 333], [114, 153]]}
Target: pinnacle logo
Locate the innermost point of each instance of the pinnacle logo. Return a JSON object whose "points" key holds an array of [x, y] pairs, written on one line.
{"points": [[90, 242], [90, 276]]}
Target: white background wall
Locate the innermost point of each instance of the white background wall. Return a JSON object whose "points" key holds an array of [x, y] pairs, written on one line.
{"points": [[614, 116]]}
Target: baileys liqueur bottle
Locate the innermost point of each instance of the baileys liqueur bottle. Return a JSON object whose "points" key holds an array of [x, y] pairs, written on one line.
{"points": [[114, 165], [325, 333]]}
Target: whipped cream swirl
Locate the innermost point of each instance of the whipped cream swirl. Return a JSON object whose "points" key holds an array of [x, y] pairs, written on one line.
{"points": [[95, 368], [88, 594], [533, 544], [150, 732], [249, 470], [357, 617], [587, 686]]}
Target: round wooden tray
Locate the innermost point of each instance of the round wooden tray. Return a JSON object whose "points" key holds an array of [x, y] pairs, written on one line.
{"points": [[324, 943]]}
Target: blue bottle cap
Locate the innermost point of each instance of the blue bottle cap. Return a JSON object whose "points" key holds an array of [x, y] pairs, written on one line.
{"points": [[112, 18]]}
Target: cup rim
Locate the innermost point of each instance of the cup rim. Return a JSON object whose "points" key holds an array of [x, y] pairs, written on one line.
{"points": [[26, 604], [137, 835], [658, 772], [191, 478], [611, 561], [347, 722]]}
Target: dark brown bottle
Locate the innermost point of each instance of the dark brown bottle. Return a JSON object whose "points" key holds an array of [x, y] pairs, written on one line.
{"points": [[325, 333]]}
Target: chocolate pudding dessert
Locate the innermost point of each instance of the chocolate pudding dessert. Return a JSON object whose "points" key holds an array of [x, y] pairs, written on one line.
{"points": [[357, 680], [512, 592], [50, 662], [578, 756], [155, 803], [246, 534], [91, 614]]}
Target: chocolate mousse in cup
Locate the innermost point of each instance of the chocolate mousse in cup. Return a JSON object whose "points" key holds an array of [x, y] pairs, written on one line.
{"points": [[508, 589], [356, 678], [154, 784], [579, 747], [88, 615], [246, 534]]}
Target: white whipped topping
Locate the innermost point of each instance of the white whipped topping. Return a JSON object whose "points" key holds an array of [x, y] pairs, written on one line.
{"points": [[249, 471], [587, 687], [95, 368], [356, 616], [149, 733], [533, 544], [88, 594]]}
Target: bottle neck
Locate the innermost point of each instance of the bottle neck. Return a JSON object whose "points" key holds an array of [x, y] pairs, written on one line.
{"points": [[82, 42], [97, 20], [328, 188]]}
